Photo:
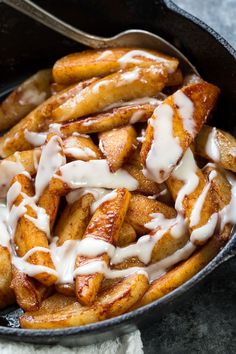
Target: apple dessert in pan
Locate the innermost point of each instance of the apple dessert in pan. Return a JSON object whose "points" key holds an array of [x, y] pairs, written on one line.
{"points": [[114, 189]]}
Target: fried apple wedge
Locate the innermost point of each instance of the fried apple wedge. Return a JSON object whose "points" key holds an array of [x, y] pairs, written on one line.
{"points": [[28, 159], [123, 85], [140, 210], [223, 194], [112, 302], [74, 219], [36, 121], [87, 64], [117, 145], [25, 98], [175, 123], [145, 185], [115, 118], [81, 148], [127, 235], [105, 225], [7, 296], [28, 291], [197, 202], [218, 146], [28, 236], [50, 203]]}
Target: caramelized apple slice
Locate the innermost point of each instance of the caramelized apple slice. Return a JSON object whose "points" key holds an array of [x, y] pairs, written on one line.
{"points": [[173, 126]]}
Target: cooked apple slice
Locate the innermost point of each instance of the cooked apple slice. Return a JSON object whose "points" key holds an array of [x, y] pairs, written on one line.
{"points": [[127, 235], [104, 225], [28, 291], [28, 159], [123, 85], [145, 185], [87, 64], [81, 148], [74, 219], [117, 145], [28, 235], [109, 120], [218, 146], [25, 98], [173, 126]]}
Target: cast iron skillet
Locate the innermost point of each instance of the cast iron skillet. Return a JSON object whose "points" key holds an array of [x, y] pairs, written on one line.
{"points": [[27, 46]]}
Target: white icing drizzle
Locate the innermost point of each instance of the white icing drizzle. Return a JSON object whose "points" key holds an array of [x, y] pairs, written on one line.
{"points": [[95, 173], [186, 172], [185, 108], [136, 116], [177, 225], [212, 149], [154, 271], [108, 195], [100, 196], [203, 233], [41, 220], [50, 161], [79, 134], [128, 77], [55, 128], [80, 153], [104, 54], [130, 57], [196, 212], [36, 157], [13, 193], [228, 213], [165, 150], [144, 246], [64, 259], [31, 269], [96, 88], [35, 139], [143, 100], [8, 170]]}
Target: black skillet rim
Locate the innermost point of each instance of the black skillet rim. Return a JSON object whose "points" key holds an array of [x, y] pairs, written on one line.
{"points": [[228, 251]]}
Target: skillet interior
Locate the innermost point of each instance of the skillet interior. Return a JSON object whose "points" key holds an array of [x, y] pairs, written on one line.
{"points": [[27, 46]]}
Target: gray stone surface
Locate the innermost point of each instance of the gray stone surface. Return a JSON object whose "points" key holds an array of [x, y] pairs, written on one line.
{"points": [[205, 323]]}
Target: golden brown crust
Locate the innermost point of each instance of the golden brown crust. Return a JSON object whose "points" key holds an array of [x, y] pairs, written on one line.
{"points": [[117, 145]]}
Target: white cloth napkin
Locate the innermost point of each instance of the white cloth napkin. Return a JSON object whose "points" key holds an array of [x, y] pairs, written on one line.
{"points": [[128, 344]]}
